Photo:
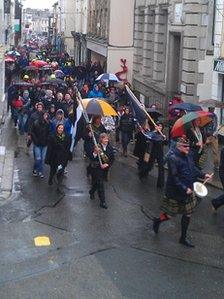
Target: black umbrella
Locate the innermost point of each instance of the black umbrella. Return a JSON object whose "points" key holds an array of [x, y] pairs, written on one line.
{"points": [[46, 68], [186, 106], [23, 83], [30, 68], [56, 82]]}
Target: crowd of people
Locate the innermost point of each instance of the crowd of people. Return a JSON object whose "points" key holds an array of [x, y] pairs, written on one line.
{"points": [[44, 107]]}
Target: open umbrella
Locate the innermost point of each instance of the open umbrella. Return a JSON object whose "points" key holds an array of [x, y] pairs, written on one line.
{"points": [[13, 53], [98, 106], [183, 123], [30, 68], [46, 68], [23, 83], [55, 82], [9, 59], [39, 63], [108, 77], [59, 74], [186, 106], [212, 103]]}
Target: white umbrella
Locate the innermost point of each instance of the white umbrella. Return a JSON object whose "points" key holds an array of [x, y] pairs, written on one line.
{"points": [[108, 77], [14, 53]]}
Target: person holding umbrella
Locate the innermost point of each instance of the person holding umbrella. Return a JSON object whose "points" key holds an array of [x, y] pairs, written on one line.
{"points": [[191, 125]]}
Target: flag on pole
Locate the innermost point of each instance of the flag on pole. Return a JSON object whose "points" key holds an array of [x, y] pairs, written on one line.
{"points": [[137, 108], [74, 129]]}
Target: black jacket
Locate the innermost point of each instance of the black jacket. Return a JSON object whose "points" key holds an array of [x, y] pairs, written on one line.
{"points": [[142, 145], [109, 153], [126, 123], [40, 131], [58, 150], [182, 173]]}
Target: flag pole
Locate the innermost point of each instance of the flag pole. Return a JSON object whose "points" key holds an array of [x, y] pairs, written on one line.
{"points": [[143, 108], [79, 98]]}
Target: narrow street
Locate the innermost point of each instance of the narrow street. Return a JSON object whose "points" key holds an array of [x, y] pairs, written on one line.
{"points": [[97, 253]]}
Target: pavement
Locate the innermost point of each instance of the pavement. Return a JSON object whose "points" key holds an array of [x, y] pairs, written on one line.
{"points": [[97, 253]]}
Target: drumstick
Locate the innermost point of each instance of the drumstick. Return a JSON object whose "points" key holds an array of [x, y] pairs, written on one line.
{"points": [[205, 181]]}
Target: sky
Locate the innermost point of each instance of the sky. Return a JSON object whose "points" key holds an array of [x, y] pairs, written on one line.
{"points": [[38, 3]]}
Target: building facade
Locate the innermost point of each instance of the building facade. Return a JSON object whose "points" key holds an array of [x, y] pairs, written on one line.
{"points": [[7, 38], [173, 50], [35, 20], [110, 35], [80, 30], [218, 67], [66, 19]]}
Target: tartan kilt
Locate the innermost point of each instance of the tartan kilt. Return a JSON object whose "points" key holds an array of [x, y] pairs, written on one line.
{"points": [[173, 207]]}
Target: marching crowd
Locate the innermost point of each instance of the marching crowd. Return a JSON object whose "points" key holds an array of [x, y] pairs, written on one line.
{"points": [[45, 108]]}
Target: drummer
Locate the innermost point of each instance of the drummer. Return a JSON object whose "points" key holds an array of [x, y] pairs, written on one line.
{"points": [[179, 196]]}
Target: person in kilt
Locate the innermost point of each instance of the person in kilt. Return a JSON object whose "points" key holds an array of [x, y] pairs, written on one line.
{"points": [[179, 195]]}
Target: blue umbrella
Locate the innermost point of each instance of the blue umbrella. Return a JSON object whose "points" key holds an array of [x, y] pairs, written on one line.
{"points": [[186, 106], [108, 77]]}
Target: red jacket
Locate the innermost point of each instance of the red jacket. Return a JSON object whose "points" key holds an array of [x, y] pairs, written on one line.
{"points": [[17, 103]]}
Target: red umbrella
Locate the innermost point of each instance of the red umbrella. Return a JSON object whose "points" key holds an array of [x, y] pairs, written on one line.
{"points": [[39, 63], [9, 59], [183, 123]]}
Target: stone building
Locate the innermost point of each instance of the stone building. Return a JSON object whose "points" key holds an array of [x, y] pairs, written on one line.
{"points": [[173, 49], [218, 73], [65, 24], [110, 34], [36, 20], [80, 30]]}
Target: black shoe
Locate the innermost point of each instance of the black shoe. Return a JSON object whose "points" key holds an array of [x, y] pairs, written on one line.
{"points": [[91, 195], [156, 224], [214, 209], [59, 191], [160, 186], [186, 242], [50, 182], [103, 205]]}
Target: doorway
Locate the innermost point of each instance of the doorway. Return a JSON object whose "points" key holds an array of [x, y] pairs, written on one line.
{"points": [[174, 58]]}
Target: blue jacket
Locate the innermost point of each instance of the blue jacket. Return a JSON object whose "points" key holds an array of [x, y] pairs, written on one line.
{"points": [[182, 173], [95, 94]]}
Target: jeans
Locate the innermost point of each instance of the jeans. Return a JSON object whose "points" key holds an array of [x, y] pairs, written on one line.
{"points": [[22, 118], [39, 157], [125, 139]]}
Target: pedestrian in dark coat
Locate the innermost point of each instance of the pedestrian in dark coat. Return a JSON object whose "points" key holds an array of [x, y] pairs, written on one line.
{"points": [[126, 128], [58, 154], [99, 171], [179, 195], [142, 150], [157, 153], [98, 128], [219, 201], [39, 134]]}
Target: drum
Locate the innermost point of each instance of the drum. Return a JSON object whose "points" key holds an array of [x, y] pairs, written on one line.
{"points": [[200, 190]]}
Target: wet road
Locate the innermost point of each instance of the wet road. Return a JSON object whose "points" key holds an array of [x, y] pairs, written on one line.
{"points": [[97, 253]]}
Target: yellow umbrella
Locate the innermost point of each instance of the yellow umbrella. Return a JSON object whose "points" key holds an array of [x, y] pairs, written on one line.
{"points": [[98, 106]]}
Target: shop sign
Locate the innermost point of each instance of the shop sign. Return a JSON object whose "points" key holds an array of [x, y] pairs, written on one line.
{"points": [[219, 66]]}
